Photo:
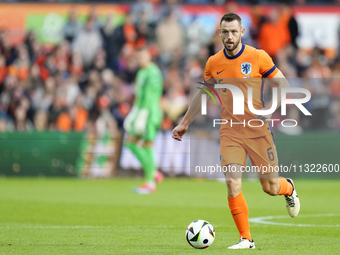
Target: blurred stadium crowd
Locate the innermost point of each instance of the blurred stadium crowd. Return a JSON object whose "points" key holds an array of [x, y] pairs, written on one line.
{"points": [[87, 81], [183, 1]]}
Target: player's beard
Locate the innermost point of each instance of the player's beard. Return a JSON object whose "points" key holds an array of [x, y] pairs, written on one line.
{"points": [[233, 47]]}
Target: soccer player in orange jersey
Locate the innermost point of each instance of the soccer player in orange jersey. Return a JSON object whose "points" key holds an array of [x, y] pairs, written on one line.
{"points": [[251, 66]]}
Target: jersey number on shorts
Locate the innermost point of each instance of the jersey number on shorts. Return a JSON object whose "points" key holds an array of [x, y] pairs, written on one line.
{"points": [[270, 154]]}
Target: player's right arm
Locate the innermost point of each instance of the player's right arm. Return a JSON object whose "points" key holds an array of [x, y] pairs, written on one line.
{"points": [[193, 110], [194, 107]]}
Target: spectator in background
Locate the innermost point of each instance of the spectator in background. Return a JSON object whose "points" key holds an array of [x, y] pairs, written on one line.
{"points": [[172, 6], [335, 113], [335, 83], [6, 48], [72, 27], [50, 64], [21, 123], [34, 81], [257, 21], [292, 23], [196, 37], [93, 16], [79, 114], [102, 148], [95, 80], [43, 96], [41, 121], [87, 43], [76, 65], [215, 44], [90, 97], [3, 125], [274, 35], [20, 67], [169, 36], [107, 32], [39, 57], [144, 6], [230, 6], [72, 91], [175, 104], [114, 40], [29, 42], [25, 103], [128, 65], [129, 33], [145, 31], [62, 52], [119, 41], [58, 117], [100, 61], [9, 85], [3, 69], [319, 65]]}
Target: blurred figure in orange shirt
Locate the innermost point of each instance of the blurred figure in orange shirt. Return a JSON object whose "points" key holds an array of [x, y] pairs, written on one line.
{"points": [[274, 35], [291, 22], [257, 21], [20, 67], [64, 122], [3, 68], [80, 115]]}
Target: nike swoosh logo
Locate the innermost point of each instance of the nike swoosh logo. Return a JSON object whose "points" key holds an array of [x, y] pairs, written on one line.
{"points": [[237, 213], [220, 71]]}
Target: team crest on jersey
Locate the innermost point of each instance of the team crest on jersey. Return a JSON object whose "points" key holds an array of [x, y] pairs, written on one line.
{"points": [[246, 68]]}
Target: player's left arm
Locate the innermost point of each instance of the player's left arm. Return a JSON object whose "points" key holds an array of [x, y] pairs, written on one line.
{"points": [[279, 81], [274, 75]]}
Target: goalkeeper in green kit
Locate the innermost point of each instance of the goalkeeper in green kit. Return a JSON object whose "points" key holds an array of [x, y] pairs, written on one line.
{"points": [[144, 120]]}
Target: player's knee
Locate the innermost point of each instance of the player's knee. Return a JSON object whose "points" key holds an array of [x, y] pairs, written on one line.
{"points": [[230, 182], [132, 139], [234, 186], [147, 144]]}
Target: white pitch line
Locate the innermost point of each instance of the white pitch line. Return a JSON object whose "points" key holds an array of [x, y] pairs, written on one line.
{"points": [[260, 220], [266, 220]]}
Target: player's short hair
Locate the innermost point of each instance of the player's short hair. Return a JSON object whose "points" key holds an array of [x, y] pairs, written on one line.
{"points": [[229, 17]]}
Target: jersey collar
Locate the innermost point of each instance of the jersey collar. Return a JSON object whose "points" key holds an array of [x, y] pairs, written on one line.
{"points": [[237, 55]]}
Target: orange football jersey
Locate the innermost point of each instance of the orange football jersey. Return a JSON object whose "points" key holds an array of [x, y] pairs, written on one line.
{"points": [[246, 69]]}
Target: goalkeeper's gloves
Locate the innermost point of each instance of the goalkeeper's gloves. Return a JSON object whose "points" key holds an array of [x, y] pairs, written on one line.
{"points": [[140, 122], [129, 118]]}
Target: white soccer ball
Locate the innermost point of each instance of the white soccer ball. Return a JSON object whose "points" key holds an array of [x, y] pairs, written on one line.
{"points": [[200, 234]]}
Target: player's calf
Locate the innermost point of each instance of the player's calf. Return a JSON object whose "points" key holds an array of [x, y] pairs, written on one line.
{"points": [[271, 186]]}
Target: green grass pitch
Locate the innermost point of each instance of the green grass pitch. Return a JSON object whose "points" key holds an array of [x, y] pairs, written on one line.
{"points": [[74, 216]]}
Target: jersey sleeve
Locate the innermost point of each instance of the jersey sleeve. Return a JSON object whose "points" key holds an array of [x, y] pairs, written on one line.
{"points": [[267, 67], [208, 78]]}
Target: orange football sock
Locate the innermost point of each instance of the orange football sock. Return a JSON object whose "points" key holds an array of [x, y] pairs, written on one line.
{"points": [[239, 210], [286, 187]]}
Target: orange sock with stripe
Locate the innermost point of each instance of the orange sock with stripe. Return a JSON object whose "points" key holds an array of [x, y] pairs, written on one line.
{"points": [[286, 187], [239, 210]]}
